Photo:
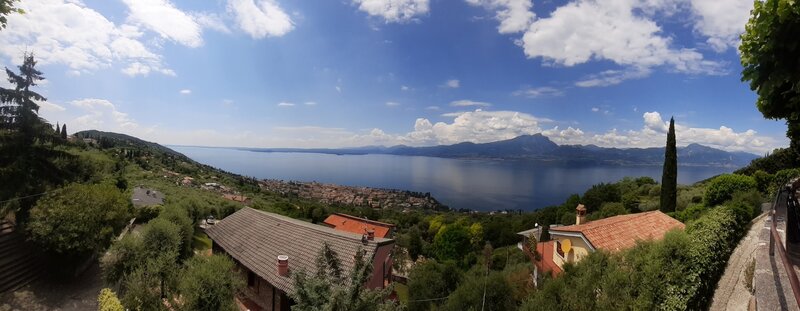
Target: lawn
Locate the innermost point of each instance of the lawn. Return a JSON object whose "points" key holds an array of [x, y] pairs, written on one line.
{"points": [[201, 241]]}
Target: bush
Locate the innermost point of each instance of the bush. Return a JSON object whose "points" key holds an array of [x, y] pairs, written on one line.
{"points": [[782, 178], [599, 194], [722, 188], [108, 301], [763, 181], [452, 242], [180, 217], [470, 292], [692, 212], [146, 213], [209, 283], [428, 280], [79, 219]]}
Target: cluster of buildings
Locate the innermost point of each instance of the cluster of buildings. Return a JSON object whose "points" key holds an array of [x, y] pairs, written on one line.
{"points": [[353, 196]]}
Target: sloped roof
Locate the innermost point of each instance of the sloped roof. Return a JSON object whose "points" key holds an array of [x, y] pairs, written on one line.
{"points": [[622, 232], [358, 225], [256, 238]]}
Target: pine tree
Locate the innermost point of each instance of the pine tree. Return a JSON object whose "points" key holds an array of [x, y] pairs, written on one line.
{"points": [[64, 131], [19, 112], [669, 178]]}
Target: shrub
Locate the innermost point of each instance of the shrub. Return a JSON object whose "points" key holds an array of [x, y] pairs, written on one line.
{"points": [[146, 213], [722, 188], [428, 280], [763, 181], [208, 283], [783, 177], [180, 217], [108, 301], [692, 212]]}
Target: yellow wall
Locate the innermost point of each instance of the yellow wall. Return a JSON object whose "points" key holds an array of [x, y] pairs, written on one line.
{"points": [[578, 251]]}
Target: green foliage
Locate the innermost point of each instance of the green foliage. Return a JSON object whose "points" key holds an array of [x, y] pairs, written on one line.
{"points": [[6, 8], [763, 181], [329, 289], [609, 209], [431, 280], [692, 212], [470, 293], [679, 272], [122, 258], [783, 177], [108, 301], [599, 194], [209, 283], [779, 159], [79, 219], [180, 217], [146, 213], [143, 289], [722, 188], [769, 57], [452, 242], [669, 177]]}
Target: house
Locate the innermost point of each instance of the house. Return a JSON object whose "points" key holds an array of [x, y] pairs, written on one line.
{"points": [[268, 248], [613, 234], [353, 224]]}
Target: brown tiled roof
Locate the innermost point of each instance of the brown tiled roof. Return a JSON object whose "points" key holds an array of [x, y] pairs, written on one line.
{"points": [[358, 225], [622, 232], [255, 239]]}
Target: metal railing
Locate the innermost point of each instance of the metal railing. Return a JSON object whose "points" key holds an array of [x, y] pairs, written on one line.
{"points": [[791, 206]]}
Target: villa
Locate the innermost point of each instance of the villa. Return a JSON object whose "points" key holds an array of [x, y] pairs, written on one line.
{"points": [[268, 247], [613, 234]]}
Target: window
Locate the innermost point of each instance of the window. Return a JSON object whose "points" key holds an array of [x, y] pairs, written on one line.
{"points": [[559, 251]]}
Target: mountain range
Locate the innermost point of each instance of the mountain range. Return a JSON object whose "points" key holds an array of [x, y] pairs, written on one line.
{"points": [[538, 147]]}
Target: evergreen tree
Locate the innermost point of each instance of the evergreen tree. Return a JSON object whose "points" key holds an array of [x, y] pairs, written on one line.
{"points": [[669, 179], [19, 112], [58, 129], [64, 131]]}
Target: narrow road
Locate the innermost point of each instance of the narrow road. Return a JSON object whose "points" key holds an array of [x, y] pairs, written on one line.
{"points": [[732, 293]]}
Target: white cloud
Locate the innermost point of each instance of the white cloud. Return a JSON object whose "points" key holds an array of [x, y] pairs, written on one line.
{"points": [[186, 92], [595, 109], [285, 104], [432, 108], [722, 21], [404, 88], [162, 17], [261, 18], [392, 104], [453, 83], [69, 33], [613, 77], [211, 21], [469, 103], [46, 106], [394, 11], [535, 92], [100, 114], [514, 15], [310, 103]]}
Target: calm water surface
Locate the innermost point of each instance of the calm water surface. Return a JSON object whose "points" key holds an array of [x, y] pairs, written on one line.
{"points": [[474, 184]]}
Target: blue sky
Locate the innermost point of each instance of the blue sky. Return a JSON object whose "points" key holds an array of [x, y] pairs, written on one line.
{"points": [[279, 73]]}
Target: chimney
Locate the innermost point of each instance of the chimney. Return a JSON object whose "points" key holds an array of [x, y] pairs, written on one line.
{"points": [[283, 265], [370, 235], [580, 215]]}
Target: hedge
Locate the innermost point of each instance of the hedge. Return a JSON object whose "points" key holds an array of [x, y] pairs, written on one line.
{"points": [[679, 272], [722, 188]]}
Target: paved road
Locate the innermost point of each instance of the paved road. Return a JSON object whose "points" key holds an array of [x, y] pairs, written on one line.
{"points": [[731, 293]]}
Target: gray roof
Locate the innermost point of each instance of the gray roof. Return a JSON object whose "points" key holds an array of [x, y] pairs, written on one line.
{"points": [[255, 239], [537, 232]]}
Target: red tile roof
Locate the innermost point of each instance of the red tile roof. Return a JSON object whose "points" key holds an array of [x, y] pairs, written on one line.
{"points": [[358, 225], [622, 232]]}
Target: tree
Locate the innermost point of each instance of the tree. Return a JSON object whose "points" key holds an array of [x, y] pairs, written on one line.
{"points": [[669, 178], [329, 289], [596, 196], [19, 112], [180, 217], [122, 258], [208, 283], [478, 285], [452, 242], [414, 244], [142, 289], [429, 281], [162, 246], [64, 131], [108, 301], [769, 57], [79, 219], [6, 8]]}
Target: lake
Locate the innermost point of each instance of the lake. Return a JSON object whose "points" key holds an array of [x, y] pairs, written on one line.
{"points": [[482, 185]]}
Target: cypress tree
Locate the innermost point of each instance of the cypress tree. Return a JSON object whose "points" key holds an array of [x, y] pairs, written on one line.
{"points": [[669, 178], [64, 131]]}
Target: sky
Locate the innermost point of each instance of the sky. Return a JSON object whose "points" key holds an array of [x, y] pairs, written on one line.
{"points": [[345, 73]]}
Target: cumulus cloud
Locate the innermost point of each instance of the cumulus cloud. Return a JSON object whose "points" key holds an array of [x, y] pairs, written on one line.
{"points": [[261, 18], [162, 17], [46, 106], [69, 33], [394, 11], [514, 15], [721, 21], [100, 114]]}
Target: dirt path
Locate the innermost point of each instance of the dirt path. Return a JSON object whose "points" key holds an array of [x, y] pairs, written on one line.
{"points": [[732, 293]]}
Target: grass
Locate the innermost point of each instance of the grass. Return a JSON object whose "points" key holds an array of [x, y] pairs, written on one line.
{"points": [[201, 241], [402, 292]]}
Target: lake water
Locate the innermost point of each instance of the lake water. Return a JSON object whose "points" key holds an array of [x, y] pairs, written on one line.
{"points": [[482, 185]]}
